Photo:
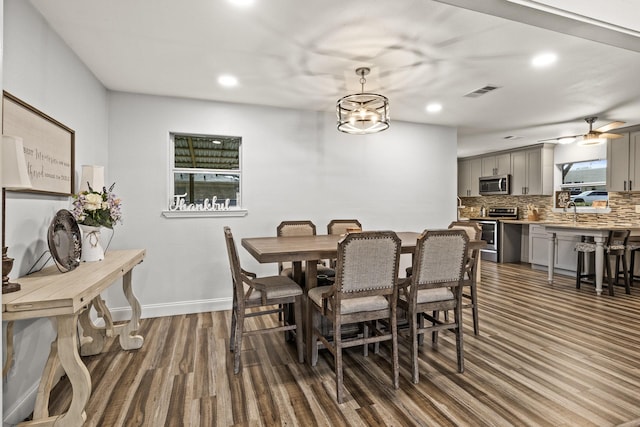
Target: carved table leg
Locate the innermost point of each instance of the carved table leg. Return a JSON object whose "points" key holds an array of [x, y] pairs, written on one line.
{"points": [[93, 337], [9, 362], [125, 331], [64, 350]]}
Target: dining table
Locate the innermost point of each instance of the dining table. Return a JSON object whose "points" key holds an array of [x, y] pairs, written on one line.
{"points": [[311, 250]]}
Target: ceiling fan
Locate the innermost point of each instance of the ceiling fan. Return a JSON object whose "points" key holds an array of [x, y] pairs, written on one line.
{"points": [[593, 137]]}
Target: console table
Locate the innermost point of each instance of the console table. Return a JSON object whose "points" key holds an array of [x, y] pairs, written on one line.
{"points": [[66, 298]]}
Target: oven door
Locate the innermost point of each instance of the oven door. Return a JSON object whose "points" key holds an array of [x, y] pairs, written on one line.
{"points": [[490, 234]]}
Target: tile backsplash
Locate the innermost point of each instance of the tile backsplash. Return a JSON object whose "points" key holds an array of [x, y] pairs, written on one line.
{"points": [[622, 205]]}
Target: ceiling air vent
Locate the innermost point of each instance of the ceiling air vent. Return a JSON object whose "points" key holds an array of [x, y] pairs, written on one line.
{"points": [[479, 92]]}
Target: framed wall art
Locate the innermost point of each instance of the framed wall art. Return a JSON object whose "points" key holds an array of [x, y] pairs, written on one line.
{"points": [[49, 146]]}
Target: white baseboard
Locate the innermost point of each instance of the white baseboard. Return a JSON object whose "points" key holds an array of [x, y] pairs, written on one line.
{"points": [[174, 308]]}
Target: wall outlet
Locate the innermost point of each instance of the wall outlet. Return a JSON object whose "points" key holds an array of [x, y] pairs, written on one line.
{"points": [[637, 208]]}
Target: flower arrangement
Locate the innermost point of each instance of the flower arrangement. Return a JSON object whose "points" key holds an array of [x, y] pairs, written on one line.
{"points": [[97, 209]]}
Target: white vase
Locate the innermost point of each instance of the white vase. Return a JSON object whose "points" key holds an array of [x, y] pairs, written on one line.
{"points": [[91, 247]]}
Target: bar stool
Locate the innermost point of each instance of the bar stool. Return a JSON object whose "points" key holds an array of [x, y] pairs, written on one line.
{"points": [[633, 247], [616, 245]]}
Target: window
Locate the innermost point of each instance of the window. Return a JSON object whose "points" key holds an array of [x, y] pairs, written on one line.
{"points": [[586, 181], [206, 173]]}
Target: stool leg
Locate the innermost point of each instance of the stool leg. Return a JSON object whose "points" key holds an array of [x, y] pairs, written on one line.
{"points": [[607, 266], [627, 285], [579, 270]]}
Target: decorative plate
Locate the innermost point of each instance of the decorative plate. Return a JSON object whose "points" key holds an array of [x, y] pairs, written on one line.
{"points": [[65, 241]]}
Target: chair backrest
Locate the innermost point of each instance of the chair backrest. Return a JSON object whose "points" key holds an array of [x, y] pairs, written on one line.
{"points": [[234, 263], [340, 226], [618, 239], [473, 229], [368, 264], [294, 228], [439, 259]]}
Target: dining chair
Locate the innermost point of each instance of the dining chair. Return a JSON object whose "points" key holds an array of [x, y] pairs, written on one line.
{"points": [[470, 282], [300, 228], [365, 291], [342, 226], [616, 246], [439, 264], [259, 296]]}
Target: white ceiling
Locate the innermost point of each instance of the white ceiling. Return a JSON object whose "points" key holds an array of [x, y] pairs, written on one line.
{"points": [[303, 54]]}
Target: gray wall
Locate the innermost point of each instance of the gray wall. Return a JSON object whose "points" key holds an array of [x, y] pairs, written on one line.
{"points": [[297, 166]]}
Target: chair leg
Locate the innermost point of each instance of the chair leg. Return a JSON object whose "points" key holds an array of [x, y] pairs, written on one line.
{"points": [[365, 335], [234, 322], [474, 309], [420, 325], [315, 324], [458, 331], [413, 330], [238, 343], [338, 361], [297, 307], [394, 350], [434, 334]]}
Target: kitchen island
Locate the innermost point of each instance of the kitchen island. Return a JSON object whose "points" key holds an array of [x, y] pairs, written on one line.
{"points": [[599, 232]]}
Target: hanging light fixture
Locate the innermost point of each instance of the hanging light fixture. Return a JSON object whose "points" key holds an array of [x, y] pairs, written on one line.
{"points": [[363, 113]]}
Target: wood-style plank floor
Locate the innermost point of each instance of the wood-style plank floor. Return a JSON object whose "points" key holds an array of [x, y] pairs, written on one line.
{"points": [[546, 356]]}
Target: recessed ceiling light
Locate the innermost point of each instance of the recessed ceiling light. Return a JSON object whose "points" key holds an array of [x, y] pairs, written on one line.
{"points": [[241, 3], [434, 107], [227, 80], [544, 59]]}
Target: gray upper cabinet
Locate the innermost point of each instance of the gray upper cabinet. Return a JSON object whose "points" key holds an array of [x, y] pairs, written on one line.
{"points": [[532, 171], [469, 170], [499, 164], [623, 163]]}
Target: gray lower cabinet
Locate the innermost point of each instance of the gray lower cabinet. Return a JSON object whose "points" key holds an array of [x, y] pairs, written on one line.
{"points": [[566, 256]]}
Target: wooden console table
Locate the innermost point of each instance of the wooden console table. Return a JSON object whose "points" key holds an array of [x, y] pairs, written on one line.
{"points": [[66, 298]]}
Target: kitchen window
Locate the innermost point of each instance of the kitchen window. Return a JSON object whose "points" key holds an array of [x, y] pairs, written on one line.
{"points": [[206, 176], [586, 181]]}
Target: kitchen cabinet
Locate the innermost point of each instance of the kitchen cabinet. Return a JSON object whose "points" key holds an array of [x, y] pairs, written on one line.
{"points": [[532, 171], [566, 257], [623, 163], [469, 170], [499, 164]]}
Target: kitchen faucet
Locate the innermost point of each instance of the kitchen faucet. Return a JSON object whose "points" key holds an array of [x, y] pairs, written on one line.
{"points": [[575, 210]]}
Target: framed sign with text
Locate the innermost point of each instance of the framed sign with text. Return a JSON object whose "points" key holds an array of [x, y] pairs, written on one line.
{"points": [[49, 146]]}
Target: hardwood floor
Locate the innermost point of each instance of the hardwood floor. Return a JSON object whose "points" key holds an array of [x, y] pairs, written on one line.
{"points": [[546, 356]]}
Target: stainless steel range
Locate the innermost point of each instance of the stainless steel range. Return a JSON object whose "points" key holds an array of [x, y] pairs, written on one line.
{"points": [[491, 229]]}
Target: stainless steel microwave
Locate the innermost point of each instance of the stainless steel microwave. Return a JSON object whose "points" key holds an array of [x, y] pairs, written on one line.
{"points": [[498, 184]]}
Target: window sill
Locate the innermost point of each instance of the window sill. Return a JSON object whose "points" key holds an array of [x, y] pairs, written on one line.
{"points": [[582, 210], [205, 214]]}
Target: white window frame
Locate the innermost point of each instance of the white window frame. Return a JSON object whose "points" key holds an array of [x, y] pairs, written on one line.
{"points": [[238, 211]]}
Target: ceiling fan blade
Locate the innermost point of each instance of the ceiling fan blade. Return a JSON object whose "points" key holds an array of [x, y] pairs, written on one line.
{"points": [[609, 126], [559, 137], [610, 135]]}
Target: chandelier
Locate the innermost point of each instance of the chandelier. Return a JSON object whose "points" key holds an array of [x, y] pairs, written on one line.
{"points": [[363, 113]]}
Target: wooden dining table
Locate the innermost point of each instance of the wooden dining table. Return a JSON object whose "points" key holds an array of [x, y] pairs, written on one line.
{"points": [[311, 250]]}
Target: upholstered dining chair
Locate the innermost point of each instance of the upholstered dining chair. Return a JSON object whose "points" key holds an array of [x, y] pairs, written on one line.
{"points": [[470, 283], [264, 296], [340, 227], [439, 264], [300, 228], [365, 291]]}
